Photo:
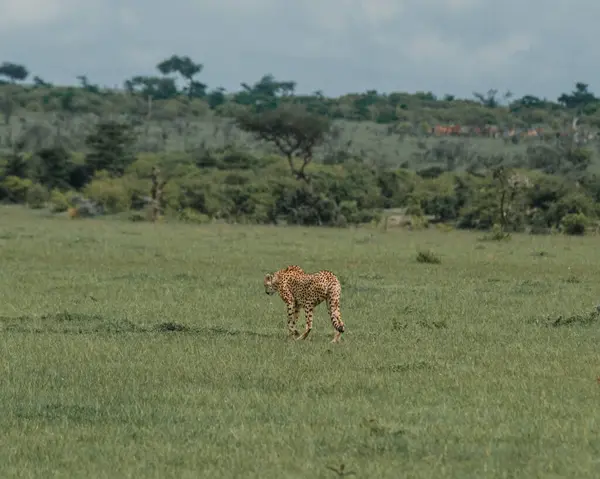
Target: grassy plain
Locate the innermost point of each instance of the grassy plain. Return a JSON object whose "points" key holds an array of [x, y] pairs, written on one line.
{"points": [[446, 370]]}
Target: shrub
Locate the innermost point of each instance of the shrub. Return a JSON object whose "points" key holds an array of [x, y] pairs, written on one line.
{"points": [[14, 189], [428, 256], [83, 207], [414, 209], [576, 203], [419, 222], [574, 224], [137, 216], [37, 196], [189, 215], [58, 202], [111, 194], [138, 192], [496, 234]]}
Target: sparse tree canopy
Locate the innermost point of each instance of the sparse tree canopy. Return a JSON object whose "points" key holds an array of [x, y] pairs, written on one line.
{"points": [[265, 93], [579, 99], [489, 99], [86, 85], [292, 129], [155, 87], [13, 71], [188, 70], [40, 82]]}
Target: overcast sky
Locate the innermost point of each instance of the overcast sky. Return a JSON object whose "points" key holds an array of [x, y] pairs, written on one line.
{"points": [[537, 47]]}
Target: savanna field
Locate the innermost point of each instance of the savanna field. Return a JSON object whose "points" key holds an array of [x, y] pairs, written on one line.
{"points": [[141, 350]]}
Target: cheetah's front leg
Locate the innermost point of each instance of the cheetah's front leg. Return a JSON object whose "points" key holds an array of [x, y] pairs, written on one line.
{"points": [[309, 321], [293, 309]]}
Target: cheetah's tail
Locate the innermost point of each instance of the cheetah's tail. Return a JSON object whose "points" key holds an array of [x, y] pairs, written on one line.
{"points": [[339, 326]]}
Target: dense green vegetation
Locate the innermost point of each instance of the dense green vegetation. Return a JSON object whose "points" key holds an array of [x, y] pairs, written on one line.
{"points": [[267, 155]]}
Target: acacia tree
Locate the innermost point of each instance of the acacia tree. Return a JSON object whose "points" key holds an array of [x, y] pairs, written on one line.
{"points": [[156, 88], [188, 70], [265, 94], [13, 71], [578, 99], [292, 129]]}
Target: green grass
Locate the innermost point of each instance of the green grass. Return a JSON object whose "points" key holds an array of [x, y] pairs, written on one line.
{"points": [[449, 370]]}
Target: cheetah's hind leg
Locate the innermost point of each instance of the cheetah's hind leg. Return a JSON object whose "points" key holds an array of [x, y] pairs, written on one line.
{"points": [[309, 321], [333, 308]]}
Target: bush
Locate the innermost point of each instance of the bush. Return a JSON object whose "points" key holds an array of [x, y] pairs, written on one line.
{"points": [[188, 215], [414, 209], [419, 223], [14, 189], [111, 194], [242, 187], [37, 196], [349, 213], [429, 257], [137, 216], [574, 224], [481, 217], [83, 207], [138, 192], [58, 202], [576, 203], [496, 234]]}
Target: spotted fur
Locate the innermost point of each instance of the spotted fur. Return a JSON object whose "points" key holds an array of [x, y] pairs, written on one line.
{"points": [[304, 290]]}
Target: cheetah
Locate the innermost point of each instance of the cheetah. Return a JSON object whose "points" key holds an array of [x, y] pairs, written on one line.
{"points": [[303, 290]]}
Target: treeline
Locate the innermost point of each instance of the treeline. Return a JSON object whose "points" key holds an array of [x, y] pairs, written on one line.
{"points": [[547, 186], [235, 186], [176, 92]]}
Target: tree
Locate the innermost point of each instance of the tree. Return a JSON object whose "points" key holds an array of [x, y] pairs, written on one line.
{"points": [[52, 167], [15, 164], [86, 85], [292, 129], [265, 93], [527, 102], [363, 103], [509, 186], [489, 99], [7, 107], [13, 71], [154, 87], [111, 145], [39, 82], [188, 70], [578, 99], [216, 98]]}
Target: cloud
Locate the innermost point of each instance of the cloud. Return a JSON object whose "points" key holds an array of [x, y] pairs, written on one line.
{"points": [[29, 13], [447, 46]]}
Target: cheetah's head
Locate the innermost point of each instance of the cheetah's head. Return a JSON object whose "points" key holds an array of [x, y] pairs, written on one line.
{"points": [[270, 287]]}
